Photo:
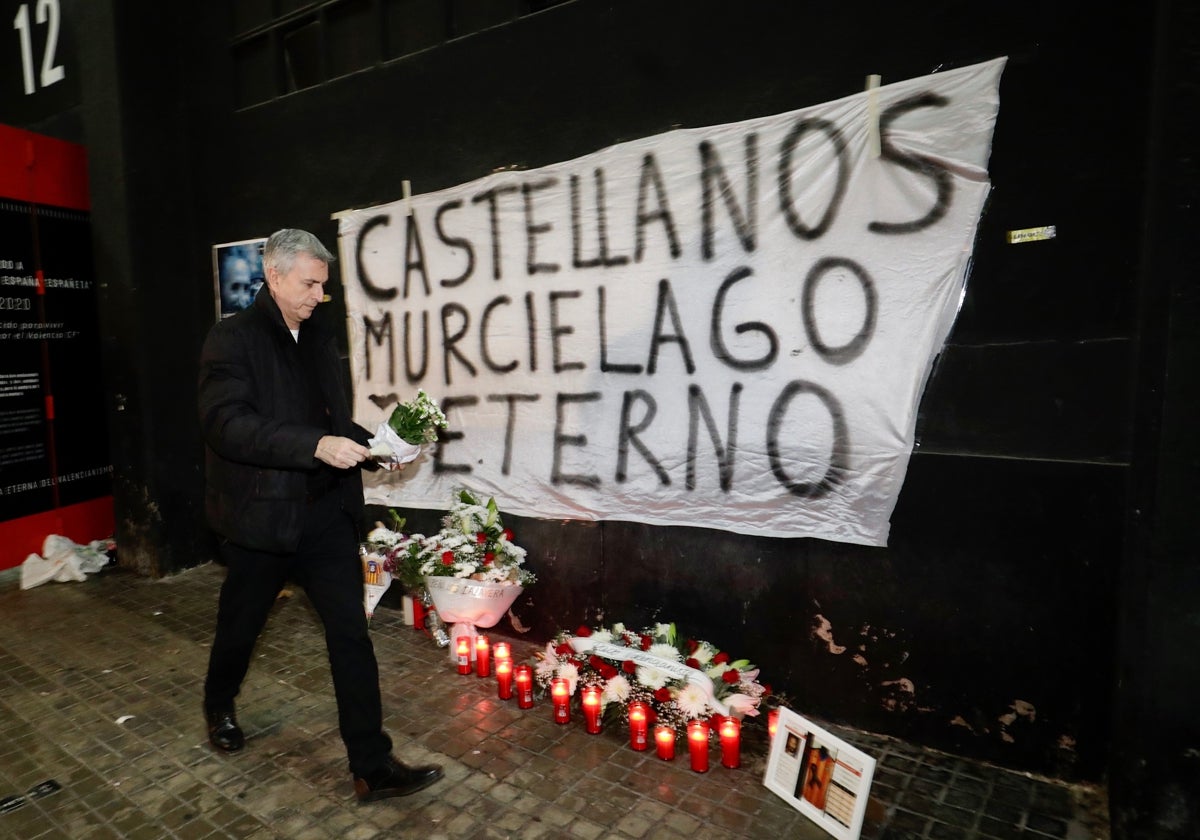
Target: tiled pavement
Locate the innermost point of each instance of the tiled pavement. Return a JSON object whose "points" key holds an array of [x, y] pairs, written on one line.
{"points": [[100, 693]]}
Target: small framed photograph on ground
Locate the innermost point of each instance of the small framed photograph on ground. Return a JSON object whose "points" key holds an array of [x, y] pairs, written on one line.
{"points": [[820, 775], [237, 274]]}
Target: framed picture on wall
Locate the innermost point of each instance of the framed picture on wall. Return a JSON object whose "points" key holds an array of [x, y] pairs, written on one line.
{"points": [[237, 274], [820, 775]]}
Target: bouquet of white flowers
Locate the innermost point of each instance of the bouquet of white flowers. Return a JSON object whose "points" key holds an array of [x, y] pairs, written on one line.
{"points": [[411, 425]]}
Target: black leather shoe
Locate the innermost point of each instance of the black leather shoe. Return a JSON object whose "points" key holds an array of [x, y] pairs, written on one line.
{"points": [[395, 779], [223, 730]]}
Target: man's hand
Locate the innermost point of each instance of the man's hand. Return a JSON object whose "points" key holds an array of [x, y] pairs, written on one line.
{"points": [[340, 452]]}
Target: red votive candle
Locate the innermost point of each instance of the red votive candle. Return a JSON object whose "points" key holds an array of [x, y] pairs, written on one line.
{"points": [[560, 694], [483, 656], [501, 650], [772, 722], [504, 677], [664, 741], [591, 708], [731, 742], [698, 745], [638, 715], [462, 649], [523, 674]]}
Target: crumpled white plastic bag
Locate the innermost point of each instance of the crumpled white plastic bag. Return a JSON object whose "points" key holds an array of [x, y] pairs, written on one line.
{"points": [[62, 560]]}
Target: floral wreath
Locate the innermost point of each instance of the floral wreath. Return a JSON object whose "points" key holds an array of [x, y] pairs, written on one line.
{"points": [[671, 700]]}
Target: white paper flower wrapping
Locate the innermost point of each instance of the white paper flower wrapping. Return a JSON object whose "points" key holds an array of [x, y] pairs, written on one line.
{"points": [[388, 444]]}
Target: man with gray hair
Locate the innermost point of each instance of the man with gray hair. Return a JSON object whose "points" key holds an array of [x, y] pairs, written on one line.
{"points": [[284, 496]]}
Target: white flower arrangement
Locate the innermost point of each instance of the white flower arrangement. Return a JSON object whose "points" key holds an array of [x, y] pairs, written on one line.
{"points": [[671, 699]]}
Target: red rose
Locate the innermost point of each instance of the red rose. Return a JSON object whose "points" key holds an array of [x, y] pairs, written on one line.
{"points": [[629, 666], [583, 632], [663, 694], [596, 662], [608, 671], [447, 558], [481, 537], [646, 642], [766, 688], [692, 644], [508, 535], [692, 663], [720, 657], [564, 648], [488, 557], [731, 676]]}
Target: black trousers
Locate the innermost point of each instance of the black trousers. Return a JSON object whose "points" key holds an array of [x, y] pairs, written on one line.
{"points": [[328, 567]]}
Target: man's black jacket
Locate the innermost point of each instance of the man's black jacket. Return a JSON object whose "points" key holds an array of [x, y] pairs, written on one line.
{"points": [[257, 391]]}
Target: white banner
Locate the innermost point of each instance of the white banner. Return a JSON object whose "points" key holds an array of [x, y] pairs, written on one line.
{"points": [[727, 327]]}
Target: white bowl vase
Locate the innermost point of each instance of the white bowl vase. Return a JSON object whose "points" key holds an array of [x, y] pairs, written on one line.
{"points": [[469, 604]]}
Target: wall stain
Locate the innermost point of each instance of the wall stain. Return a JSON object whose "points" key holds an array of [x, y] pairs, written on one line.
{"points": [[823, 630]]}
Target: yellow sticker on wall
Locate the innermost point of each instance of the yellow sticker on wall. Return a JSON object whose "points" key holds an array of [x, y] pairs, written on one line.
{"points": [[1031, 234]]}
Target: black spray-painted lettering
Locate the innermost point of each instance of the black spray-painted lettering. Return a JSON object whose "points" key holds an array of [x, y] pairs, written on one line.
{"points": [[717, 342], [446, 436], [510, 423], [737, 196], [492, 197], [496, 328], [629, 436], [786, 202], [744, 224], [454, 242], [377, 333], [666, 306], [698, 409], [852, 349], [838, 466], [603, 257], [649, 178], [484, 322], [531, 319], [452, 337], [639, 408], [925, 166], [373, 292], [557, 329], [414, 375], [534, 229], [602, 318], [557, 476], [414, 254]]}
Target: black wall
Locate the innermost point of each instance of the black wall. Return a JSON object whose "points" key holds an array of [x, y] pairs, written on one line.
{"points": [[1033, 604]]}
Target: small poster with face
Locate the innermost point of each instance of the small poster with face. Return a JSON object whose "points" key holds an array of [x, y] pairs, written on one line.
{"points": [[820, 775], [237, 274]]}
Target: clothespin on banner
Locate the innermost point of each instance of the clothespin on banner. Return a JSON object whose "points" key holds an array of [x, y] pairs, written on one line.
{"points": [[873, 115], [406, 191]]}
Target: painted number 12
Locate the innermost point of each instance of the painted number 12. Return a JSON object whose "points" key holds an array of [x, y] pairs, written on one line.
{"points": [[47, 13]]}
